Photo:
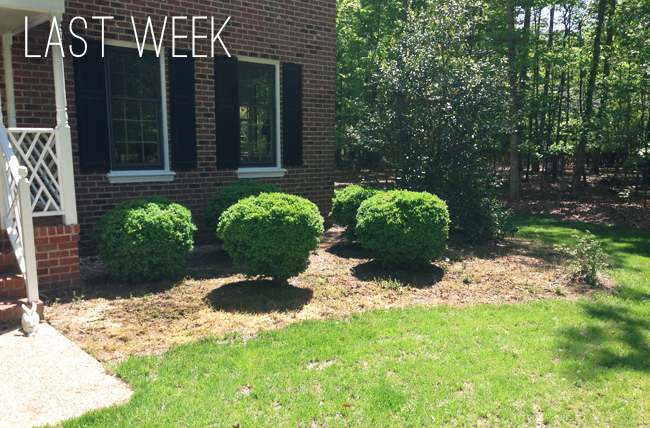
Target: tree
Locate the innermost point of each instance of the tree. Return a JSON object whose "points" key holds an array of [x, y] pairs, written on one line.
{"points": [[514, 108], [441, 107], [589, 108]]}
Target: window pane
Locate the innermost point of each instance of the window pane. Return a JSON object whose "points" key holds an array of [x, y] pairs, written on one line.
{"points": [[117, 109], [150, 131], [263, 121], [134, 153], [120, 152], [119, 130], [132, 109], [135, 105], [131, 62], [151, 153], [257, 114], [134, 131], [117, 84], [149, 75], [133, 85], [243, 112], [264, 89], [149, 110]]}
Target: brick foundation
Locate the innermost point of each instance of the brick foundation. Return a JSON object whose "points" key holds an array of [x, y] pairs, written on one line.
{"points": [[57, 257]]}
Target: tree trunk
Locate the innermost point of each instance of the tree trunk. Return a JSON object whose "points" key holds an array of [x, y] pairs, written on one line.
{"points": [[576, 189], [609, 38], [514, 109]]}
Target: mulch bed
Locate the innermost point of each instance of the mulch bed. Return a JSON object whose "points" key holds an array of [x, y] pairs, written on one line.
{"points": [[112, 320], [212, 297]]}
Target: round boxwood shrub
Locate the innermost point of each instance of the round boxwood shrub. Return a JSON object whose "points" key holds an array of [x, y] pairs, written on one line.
{"points": [[272, 234], [230, 195], [144, 239], [346, 204], [404, 228]]}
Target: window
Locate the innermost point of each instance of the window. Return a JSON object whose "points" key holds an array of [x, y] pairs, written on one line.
{"points": [[134, 108], [247, 116], [257, 118], [122, 113]]}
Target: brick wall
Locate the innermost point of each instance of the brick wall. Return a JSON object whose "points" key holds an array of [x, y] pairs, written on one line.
{"points": [[57, 257], [57, 260], [293, 31]]}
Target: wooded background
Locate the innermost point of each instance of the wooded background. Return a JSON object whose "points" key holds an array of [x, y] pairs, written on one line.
{"points": [[548, 90]]}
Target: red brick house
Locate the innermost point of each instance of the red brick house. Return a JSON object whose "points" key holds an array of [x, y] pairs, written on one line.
{"points": [[140, 98]]}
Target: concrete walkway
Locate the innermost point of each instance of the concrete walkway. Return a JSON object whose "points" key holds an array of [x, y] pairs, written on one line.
{"points": [[45, 379]]}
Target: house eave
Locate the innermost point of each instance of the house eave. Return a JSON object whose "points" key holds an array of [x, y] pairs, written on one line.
{"points": [[13, 13]]}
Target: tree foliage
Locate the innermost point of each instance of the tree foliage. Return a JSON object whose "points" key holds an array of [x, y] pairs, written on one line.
{"points": [[415, 78], [440, 110]]}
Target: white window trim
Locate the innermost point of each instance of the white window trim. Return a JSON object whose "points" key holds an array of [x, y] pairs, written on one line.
{"points": [[258, 172], [140, 176], [148, 176], [267, 172]]}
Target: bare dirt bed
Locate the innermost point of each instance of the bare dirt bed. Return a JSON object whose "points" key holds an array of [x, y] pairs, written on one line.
{"points": [[112, 320]]}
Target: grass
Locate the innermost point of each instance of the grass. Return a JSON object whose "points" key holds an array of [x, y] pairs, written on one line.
{"points": [[553, 362]]}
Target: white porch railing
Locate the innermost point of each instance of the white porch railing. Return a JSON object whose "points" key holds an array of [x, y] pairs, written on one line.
{"points": [[44, 184], [39, 151], [16, 203]]}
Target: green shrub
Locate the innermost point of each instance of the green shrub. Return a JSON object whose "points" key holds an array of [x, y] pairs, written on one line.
{"points": [[230, 195], [346, 204], [144, 239], [479, 214], [272, 234], [404, 228], [588, 258]]}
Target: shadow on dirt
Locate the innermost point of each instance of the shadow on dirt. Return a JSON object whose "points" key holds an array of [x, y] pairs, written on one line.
{"points": [[258, 296]]}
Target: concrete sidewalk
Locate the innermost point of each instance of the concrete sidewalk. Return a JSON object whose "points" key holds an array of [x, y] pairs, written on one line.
{"points": [[45, 379]]}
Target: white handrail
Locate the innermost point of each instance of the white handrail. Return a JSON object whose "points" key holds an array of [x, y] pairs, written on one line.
{"points": [[10, 157], [17, 213]]}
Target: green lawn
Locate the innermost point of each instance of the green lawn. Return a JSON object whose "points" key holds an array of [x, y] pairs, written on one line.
{"points": [[559, 363]]}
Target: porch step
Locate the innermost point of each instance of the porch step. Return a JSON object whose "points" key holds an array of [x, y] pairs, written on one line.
{"points": [[8, 261], [11, 311], [12, 285]]}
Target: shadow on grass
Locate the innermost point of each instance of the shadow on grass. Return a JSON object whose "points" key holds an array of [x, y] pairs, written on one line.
{"points": [[614, 239], [258, 296], [425, 276], [617, 334]]}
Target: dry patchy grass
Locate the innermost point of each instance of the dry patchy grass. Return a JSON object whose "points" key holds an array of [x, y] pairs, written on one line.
{"points": [[111, 321]]}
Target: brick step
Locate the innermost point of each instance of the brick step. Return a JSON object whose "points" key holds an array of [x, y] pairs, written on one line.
{"points": [[11, 311], [8, 261], [12, 285]]}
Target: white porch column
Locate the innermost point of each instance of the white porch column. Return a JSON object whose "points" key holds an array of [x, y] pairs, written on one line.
{"points": [[7, 41], [69, 200]]}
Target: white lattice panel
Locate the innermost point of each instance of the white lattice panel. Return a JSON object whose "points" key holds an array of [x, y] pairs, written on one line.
{"points": [[38, 150]]}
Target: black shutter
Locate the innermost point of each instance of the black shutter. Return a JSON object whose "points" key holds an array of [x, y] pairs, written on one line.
{"points": [[182, 110], [292, 113], [92, 108], [227, 111]]}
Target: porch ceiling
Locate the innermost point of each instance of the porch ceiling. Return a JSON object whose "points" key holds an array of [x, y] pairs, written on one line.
{"points": [[13, 12]]}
